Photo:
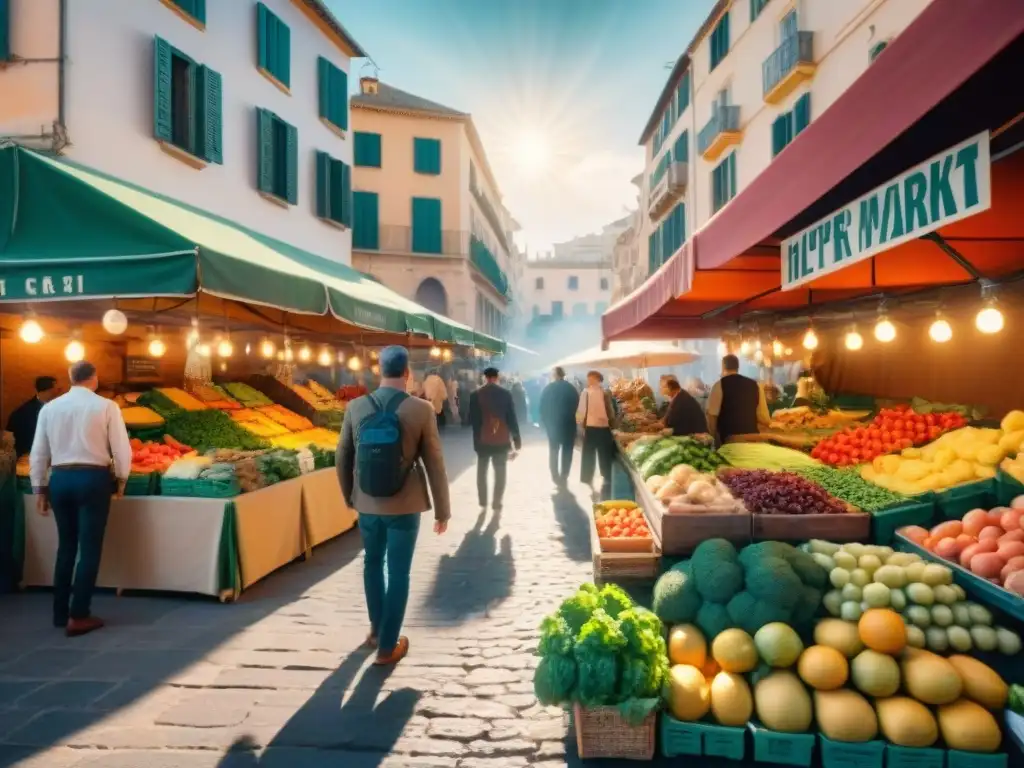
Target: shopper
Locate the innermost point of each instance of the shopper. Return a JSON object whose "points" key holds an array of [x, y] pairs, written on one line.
{"points": [[79, 436], [736, 405], [597, 416], [22, 421], [436, 392], [558, 404], [684, 415], [495, 434], [388, 454]]}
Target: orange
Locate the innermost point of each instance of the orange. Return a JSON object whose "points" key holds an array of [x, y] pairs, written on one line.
{"points": [[883, 630]]}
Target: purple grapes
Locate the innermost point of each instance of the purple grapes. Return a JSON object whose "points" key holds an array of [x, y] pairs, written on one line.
{"points": [[773, 493]]}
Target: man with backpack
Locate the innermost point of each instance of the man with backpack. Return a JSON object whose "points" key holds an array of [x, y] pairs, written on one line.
{"points": [[495, 430], [389, 452]]}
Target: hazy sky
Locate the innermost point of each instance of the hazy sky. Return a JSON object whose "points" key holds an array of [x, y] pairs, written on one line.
{"points": [[559, 90]]}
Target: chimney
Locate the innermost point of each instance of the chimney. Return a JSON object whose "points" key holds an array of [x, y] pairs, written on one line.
{"points": [[368, 85]]}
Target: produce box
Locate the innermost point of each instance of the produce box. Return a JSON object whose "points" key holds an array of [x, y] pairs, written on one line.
{"points": [[207, 489], [782, 748], [914, 757], [680, 534], [955, 758], [917, 511], [285, 396], [852, 526], [954, 503], [623, 565], [843, 754], [701, 739], [621, 543], [142, 484], [1007, 488], [601, 732]]}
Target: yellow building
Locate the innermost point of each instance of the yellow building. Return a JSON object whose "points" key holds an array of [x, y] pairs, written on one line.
{"points": [[428, 221]]}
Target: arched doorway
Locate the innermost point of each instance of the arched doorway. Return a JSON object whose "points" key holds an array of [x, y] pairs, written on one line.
{"points": [[432, 295]]}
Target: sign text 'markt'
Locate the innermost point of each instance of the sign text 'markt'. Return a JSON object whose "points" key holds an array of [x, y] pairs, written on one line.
{"points": [[950, 186]]}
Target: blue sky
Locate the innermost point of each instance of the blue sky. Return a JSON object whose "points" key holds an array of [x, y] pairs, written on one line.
{"points": [[559, 89]]}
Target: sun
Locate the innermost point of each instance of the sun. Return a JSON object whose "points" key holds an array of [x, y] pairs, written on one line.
{"points": [[532, 154]]}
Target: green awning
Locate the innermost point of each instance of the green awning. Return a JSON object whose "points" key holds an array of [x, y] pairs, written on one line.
{"points": [[70, 232]]}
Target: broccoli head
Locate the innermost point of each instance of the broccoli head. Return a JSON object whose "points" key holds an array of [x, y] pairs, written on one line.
{"points": [[676, 599], [554, 680], [806, 606], [750, 614], [773, 580], [807, 570], [755, 552], [578, 609], [614, 600], [713, 619]]}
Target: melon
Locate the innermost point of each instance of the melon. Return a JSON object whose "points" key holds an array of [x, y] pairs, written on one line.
{"points": [[876, 674], [734, 651], [782, 703], [823, 668], [778, 644], [981, 683], [931, 679], [845, 715], [969, 727], [689, 695], [731, 700], [839, 634], [882, 630], [906, 723], [686, 645]]}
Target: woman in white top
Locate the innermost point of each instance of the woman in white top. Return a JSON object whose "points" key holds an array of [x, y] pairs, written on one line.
{"points": [[597, 416]]}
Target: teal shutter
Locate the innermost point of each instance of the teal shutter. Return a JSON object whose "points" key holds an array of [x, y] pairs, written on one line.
{"points": [[366, 227], [210, 108], [346, 193], [262, 37], [323, 68], [292, 173], [162, 119], [274, 45], [652, 252], [731, 161], [427, 156], [265, 151], [779, 134], [194, 8], [802, 113], [283, 52], [681, 150], [323, 185], [339, 99], [426, 225], [5, 30], [873, 53], [367, 152]]}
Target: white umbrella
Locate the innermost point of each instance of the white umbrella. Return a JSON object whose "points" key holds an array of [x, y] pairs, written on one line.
{"points": [[629, 354]]}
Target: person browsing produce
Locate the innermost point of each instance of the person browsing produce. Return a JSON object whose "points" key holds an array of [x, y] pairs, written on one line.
{"points": [[597, 415], [736, 405], [388, 454], [684, 415], [22, 421], [79, 437]]}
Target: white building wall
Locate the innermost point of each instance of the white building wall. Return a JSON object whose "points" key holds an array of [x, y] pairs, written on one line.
{"points": [[589, 293]]}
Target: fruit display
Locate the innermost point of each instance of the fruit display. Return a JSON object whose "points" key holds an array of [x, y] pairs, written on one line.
{"points": [[893, 429], [257, 423], [806, 418], [1014, 467], [684, 490], [936, 613], [292, 422], [719, 588], [320, 399], [990, 544], [209, 429], [638, 411], [249, 397], [703, 680], [141, 417], [780, 493], [318, 437], [181, 398], [214, 396], [621, 523], [657, 456], [846, 484], [765, 456], [150, 456], [319, 390]]}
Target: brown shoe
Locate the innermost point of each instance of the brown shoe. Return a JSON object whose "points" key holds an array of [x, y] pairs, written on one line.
{"points": [[400, 652], [79, 627]]}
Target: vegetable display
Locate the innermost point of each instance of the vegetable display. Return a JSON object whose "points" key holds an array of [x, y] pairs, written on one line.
{"points": [[181, 398], [658, 456], [686, 491], [292, 422], [149, 456], [351, 392], [141, 417], [621, 523], [893, 429], [246, 395], [257, 423], [848, 485], [779, 493], [765, 456], [208, 429], [213, 396]]}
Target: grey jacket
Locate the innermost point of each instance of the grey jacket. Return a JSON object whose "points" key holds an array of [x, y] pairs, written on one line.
{"points": [[421, 447]]}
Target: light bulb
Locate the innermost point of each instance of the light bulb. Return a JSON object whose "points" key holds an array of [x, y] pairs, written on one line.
{"points": [[114, 322], [777, 348], [854, 341], [324, 358], [758, 355], [157, 348], [435, 351], [203, 350], [810, 339], [789, 351], [722, 348], [885, 331], [757, 343], [31, 332], [989, 320], [940, 331], [745, 348], [305, 354], [248, 349], [446, 355], [225, 348], [280, 357], [354, 363], [267, 348], [74, 351]]}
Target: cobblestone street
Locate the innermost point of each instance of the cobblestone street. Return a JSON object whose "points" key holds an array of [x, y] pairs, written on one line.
{"points": [[278, 678]]}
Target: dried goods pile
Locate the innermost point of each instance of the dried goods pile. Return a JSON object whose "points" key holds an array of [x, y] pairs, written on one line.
{"points": [[780, 493]]}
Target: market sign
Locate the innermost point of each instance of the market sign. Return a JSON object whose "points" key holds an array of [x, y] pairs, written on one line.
{"points": [[951, 186], [43, 286]]}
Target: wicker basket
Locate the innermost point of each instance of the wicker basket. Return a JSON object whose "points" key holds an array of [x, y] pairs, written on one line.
{"points": [[601, 732]]}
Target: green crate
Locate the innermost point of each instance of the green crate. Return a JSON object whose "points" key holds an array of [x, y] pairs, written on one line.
{"points": [[206, 489], [707, 739], [919, 510], [954, 503], [960, 759], [725, 741], [140, 485], [1007, 488], [679, 738], [843, 754], [782, 748], [914, 757]]}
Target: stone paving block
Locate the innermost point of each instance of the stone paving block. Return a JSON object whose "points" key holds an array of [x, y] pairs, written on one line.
{"points": [[270, 678], [491, 676], [14, 718], [47, 662], [427, 746], [465, 707], [127, 663], [27, 757], [51, 728], [488, 762], [148, 759], [67, 693], [505, 748], [458, 728], [13, 690]]}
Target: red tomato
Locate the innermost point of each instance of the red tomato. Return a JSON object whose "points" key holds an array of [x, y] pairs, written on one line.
{"points": [[833, 458], [934, 432]]}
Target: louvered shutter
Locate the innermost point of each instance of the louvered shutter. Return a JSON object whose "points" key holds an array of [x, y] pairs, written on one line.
{"points": [[292, 173], [802, 113], [163, 126], [265, 151], [323, 185], [263, 37], [282, 46], [5, 30], [209, 103]]}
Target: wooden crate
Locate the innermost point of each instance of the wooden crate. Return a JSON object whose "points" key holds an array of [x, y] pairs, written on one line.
{"points": [[602, 733], [680, 534], [623, 566], [853, 526]]}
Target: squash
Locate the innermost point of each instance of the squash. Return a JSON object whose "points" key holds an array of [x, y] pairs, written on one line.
{"points": [[876, 674], [823, 668], [882, 630], [689, 695], [686, 645], [845, 715], [140, 416], [929, 678], [734, 651], [839, 634], [731, 700], [969, 727], [782, 703], [981, 683], [906, 723]]}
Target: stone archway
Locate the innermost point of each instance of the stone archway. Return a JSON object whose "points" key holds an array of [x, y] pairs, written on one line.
{"points": [[432, 295]]}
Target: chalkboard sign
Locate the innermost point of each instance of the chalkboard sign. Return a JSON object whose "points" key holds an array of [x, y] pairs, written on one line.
{"points": [[141, 369]]}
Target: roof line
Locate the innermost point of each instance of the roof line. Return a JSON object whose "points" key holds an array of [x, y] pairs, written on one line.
{"points": [[321, 16]]}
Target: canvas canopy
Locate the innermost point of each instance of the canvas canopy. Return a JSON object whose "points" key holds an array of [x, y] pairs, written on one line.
{"points": [[629, 354]]}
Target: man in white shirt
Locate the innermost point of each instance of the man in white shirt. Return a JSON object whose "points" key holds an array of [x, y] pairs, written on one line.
{"points": [[596, 414], [436, 391], [79, 439]]}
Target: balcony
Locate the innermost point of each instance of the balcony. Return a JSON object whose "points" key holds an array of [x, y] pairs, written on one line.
{"points": [[789, 65], [490, 214], [482, 258], [397, 239], [721, 132], [668, 189]]}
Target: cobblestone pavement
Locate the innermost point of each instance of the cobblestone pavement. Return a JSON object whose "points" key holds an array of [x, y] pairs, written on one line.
{"points": [[278, 679]]}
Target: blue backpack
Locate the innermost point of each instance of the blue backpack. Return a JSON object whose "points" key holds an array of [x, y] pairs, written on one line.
{"points": [[379, 462]]}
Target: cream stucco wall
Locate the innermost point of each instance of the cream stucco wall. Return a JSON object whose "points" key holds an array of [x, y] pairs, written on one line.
{"points": [[109, 103], [539, 300]]}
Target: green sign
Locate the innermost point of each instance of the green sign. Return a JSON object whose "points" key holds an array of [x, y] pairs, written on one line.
{"points": [[951, 186]]}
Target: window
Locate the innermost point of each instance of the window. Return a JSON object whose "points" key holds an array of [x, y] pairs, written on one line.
{"points": [[756, 6], [365, 220], [604, 283], [600, 307], [723, 182], [193, 11], [333, 85], [672, 232], [277, 157], [539, 283], [653, 257], [557, 310], [579, 309], [720, 41], [5, 26], [426, 225], [187, 104], [681, 150], [876, 49], [683, 93], [788, 125], [367, 150], [333, 190], [574, 283], [426, 156], [274, 48]]}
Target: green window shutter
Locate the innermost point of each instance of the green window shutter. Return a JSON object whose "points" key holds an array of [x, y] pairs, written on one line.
{"points": [[5, 30], [265, 151], [292, 174], [426, 225], [339, 100], [210, 109], [162, 120], [732, 176], [427, 156], [194, 8], [681, 150], [283, 51], [367, 151], [274, 49], [802, 113], [263, 37], [652, 252], [323, 185], [346, 194], [365, 225], [876, 49], [323, 68], [779, 134]]}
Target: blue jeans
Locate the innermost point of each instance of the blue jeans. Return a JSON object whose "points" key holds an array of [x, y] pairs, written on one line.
{"points": [[81, 504], [388, 541]]}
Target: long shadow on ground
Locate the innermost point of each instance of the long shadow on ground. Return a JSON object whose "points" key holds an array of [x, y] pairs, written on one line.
{"points": [[574, 522]]}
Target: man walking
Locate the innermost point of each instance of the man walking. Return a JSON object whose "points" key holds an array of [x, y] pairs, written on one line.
{"points": [[495, 432], [597, 415], [389, 452], [79, 436], [22, 421], [558, 404]]}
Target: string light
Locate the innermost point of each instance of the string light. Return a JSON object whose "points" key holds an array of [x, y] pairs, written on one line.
{"points": [[777, 348], [989, 319], [325, 357], [203, 350], [31, 332], [810, 339], [789, 351], [114, 322], [446, 355], [157, 348], [74, 351], [885, 331], [745, 348], [267, 348], [225, 348], [435, 352], [854, 340], [940, 330], [248, 349], [305, 354], [288, 355], [354, 363]]}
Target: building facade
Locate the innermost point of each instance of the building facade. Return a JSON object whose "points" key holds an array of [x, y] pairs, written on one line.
{"points": [[627, 270], [237, 108], [756, 74], [428, 218]]}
